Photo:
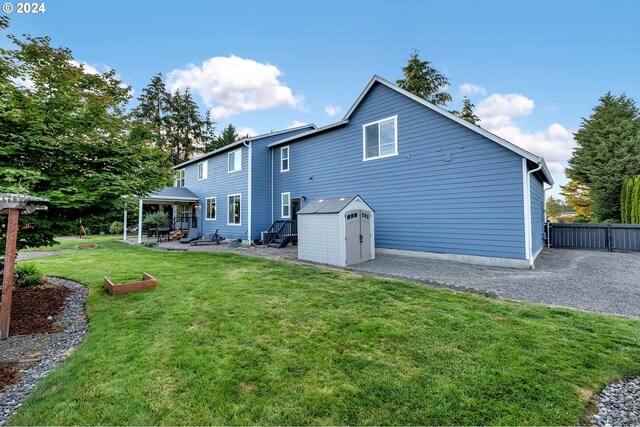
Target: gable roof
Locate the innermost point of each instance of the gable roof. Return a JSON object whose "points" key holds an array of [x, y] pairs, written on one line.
{"points": [[172, 193], [329, 205], [377, 79], [240, 142]]}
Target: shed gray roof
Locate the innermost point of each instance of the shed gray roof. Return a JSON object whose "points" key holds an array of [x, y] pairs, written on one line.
{"points": [[172, 193], [328, 205]]}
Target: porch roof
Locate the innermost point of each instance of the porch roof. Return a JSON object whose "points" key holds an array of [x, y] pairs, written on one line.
{"points": [[170, 195]]}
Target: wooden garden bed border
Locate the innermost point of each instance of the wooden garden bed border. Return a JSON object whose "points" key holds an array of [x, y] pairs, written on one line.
{"points": [[147, 282]]}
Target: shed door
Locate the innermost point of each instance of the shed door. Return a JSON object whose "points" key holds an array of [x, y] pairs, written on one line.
{"points": [[358, 236]]}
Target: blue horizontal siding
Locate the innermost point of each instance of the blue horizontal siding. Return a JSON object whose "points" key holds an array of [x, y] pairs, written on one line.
{"points": [[472, 204], [220, 184], [537, 214]]}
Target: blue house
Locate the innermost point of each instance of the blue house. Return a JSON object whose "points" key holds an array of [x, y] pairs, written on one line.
{"points": [[440, 186]]}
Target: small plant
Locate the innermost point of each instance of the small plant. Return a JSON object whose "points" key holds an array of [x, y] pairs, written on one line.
{"points": [[27, 274], [116, 227], [155, 220], [150, 244]]}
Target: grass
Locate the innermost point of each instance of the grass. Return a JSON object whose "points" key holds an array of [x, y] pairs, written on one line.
{"points": [[229, 339]]}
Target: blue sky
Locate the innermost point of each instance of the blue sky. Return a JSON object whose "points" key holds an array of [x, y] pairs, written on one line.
{"points": [[533, 69]]}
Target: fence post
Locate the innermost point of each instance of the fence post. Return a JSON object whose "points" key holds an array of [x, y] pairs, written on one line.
{"points": [[609, 238]]}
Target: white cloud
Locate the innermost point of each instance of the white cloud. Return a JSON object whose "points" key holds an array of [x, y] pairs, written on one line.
{"points": [[555, 143], [469, 89], [246, 131], [499, 110], [296, 124], [331, 110], [233, 85]]}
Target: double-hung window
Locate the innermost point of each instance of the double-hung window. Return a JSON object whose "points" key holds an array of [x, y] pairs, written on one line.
{"points": [[202, 170], [179, 182], [233, 201], [235, 160], [284, 159], [380, 139], [211, 208], [285, 199]]}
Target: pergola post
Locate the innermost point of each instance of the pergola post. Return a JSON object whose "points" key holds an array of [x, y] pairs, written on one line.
{"points": [[140, 222], [9, 269], [12, 205], [124, 221]]}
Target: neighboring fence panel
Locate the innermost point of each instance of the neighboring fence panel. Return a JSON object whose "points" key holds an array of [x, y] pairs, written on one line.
{"points": [[606, 237]]}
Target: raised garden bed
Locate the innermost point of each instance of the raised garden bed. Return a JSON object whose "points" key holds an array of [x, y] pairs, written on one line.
{"points": [[87, 246], [147, 282]]}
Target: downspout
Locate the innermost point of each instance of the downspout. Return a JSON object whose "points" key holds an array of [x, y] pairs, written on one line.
{"points": [[527, 212], [249, 154]]}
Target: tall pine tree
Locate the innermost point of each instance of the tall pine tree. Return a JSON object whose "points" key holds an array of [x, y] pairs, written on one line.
{"points": [[467, 112], [423, 80], [608, 151]]}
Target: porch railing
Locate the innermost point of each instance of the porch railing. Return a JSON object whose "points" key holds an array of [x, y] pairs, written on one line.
{"points": [[184, 222]]}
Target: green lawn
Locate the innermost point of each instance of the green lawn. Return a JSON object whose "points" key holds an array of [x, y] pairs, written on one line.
{"points": [[229, 339]]}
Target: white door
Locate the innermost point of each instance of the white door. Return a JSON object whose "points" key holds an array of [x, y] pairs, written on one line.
{"points": [[358, 236]]}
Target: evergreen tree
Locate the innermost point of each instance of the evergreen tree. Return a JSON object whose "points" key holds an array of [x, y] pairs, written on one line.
{"points": [[629, 198], [577, 196], [624, 212], [555, 207], [229, 135], [608, 151], [152, 108], [635, 207], [423, 80], [467, 112]]}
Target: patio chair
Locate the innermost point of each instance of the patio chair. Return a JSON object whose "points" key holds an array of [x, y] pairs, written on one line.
{"points": [[209, 239], [192, 236]]}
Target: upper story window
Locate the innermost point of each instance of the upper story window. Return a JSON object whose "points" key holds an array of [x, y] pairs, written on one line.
{"points": [[284, 159], [235, 160], [179, 182], [380, 139], [202, 170]]}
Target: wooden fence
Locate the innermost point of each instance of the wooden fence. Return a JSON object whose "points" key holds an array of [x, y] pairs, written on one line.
{"points": [[604, 237]]}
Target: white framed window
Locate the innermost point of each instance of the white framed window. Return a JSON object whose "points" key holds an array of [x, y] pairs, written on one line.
{"points": [[202, 170], [284, 159], [235, 160], [285, 202], [380, 139], [234, 209], [180, 178], [210, 213]]}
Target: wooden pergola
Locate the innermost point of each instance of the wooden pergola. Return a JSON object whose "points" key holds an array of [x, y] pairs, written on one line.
{"points": [[12, 205]]}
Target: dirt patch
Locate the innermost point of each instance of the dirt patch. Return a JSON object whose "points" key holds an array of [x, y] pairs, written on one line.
{"points": [[33, 305], [8, 376]]}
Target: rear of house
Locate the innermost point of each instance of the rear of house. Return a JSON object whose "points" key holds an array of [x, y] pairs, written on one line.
{"points": [[440, 187]]}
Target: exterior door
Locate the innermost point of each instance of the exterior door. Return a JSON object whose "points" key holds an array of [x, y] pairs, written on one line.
{"points": [[358, 236], [295, 207]]}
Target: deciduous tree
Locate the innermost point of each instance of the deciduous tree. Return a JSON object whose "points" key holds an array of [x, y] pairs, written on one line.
{"points": [[577, 196]]}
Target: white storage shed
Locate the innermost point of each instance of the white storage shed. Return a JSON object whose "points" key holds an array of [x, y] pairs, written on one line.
{"points": [[337, 231]]}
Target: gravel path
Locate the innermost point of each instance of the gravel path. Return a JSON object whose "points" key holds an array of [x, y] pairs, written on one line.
{"points": [[619, 404], [603, 282], [25, 256], [39, 353]]}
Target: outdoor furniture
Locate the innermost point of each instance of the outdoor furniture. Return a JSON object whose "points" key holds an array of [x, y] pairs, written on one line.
{"points": [[164, 232], [152, 232], [192, 236], [209, 239]]}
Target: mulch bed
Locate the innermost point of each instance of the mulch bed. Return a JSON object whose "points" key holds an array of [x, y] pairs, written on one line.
{"points": [[31, 305], [8, 376]]}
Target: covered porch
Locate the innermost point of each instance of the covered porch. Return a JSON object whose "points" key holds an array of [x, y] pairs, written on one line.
{"points": [[183, 205]]}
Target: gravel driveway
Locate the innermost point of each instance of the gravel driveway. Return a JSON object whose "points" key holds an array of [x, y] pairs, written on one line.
{"points": [[604, 282]]}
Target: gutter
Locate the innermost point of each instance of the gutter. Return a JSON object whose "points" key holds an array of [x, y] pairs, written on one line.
{"points": [[249, 176], [527, 208]]}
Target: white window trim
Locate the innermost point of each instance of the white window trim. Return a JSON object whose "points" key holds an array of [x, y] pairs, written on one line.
{"points": [[206, 209], [232, 195], [239, 151], [205, 171], [364, 140], [282, 205], [184, 178], [282, 159]]}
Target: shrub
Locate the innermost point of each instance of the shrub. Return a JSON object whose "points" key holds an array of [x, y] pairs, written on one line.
{"points": [[580, 220], [27, 274], [116, 227], [150, 244], [155, 220]]}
